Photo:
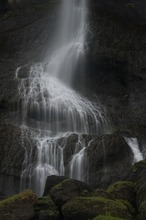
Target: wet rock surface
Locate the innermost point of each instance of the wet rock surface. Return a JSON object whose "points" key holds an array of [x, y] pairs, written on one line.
{"points": [[109, 159]]}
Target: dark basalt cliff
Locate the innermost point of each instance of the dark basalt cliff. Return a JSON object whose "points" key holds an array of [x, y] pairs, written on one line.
{"points": [[117, 60], [115, 73]]}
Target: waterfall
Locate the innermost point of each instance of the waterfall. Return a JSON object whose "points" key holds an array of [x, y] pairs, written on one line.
{"points": [[69, 43], [133, 144], [51, 108]]}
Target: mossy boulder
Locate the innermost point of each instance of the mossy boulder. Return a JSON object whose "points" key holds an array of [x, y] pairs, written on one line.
{"points": [[45, 208], [103, 217], [53, 181], [67, 190], [123, 190], [138, 173], [19, 206], [142, 211], [141, 194], [89, 207], [101, 193], [130, 208]]}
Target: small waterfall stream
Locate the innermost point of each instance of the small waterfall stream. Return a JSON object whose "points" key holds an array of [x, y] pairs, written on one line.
{"points": [[133, 144], [58, 111]]}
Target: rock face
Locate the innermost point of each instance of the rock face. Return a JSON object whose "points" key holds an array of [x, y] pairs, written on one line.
{"points": [[134, 10], [12, 153], [116, 61], [109, 158], [26, 23]]}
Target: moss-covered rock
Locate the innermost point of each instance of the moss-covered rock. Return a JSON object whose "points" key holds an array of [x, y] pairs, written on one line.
{"points": [[101, 193], [123, 190], [141, 194], [142, 211], [141, 179], [138, 171], [67, 190], [130, 208], [45, 208], [19, 206], [89, 207], [52, 181]]}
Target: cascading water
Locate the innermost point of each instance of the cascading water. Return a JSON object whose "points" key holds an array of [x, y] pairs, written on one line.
{"points": [[133, 144], [69, 43], [58, 111]]}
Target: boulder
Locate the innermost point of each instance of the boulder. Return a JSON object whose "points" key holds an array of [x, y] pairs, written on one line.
{"points": [[123, 190], [101, 193], [19, 206], [103, 217], [45, 208], [51, 182], [109, 160], [89, 207], [67, 190]]}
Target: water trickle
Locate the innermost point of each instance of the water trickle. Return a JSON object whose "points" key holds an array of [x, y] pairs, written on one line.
{"points": [[133, 144], [47, 97], [78, 165]]}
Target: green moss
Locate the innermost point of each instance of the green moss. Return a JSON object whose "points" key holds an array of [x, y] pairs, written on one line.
{"points": [[139, 166], [134, 169], [90, 207], [18, 206], [143, 206], [124, 190], [59, 186], [26, 195], [119, 185], [46, 208], [131, 5], [103, 217], [129, 206], [141, 193], [101, 193], [142, 211], [8, 14]]}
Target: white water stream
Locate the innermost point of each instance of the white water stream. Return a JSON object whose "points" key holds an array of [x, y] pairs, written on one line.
{"points": [[133, 144], [49, 99]]}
